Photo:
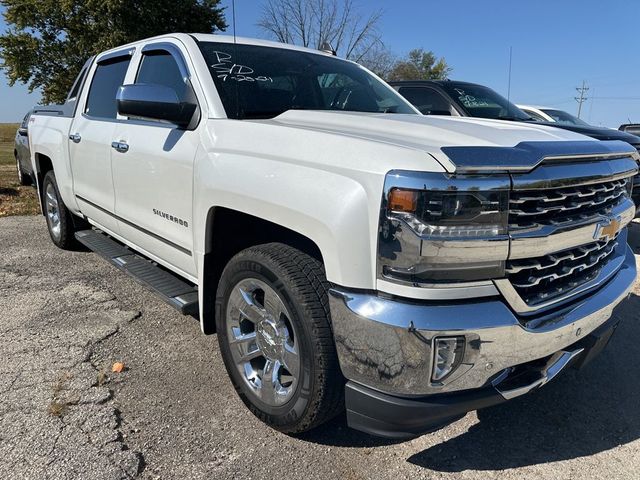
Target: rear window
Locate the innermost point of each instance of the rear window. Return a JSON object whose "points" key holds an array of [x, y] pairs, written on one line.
{"points": [[109, 76]]}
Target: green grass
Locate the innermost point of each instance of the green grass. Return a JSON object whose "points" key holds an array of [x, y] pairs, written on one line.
{"points": [[14, 198]]}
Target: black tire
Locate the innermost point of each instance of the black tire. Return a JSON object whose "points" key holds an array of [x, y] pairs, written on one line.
{"points": [[23, 178], [300, 281], [63, 237]]}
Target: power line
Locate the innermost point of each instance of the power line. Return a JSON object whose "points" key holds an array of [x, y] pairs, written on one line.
{"points": [[582, 98]]}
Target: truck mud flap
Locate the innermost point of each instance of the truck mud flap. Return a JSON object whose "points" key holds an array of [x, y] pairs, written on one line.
{"points": [[178, 293]]}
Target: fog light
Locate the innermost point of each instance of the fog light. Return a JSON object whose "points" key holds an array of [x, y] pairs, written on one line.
{"points": [[448, 353]]}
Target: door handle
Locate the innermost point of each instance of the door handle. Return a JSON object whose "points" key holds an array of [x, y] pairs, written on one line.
{"points": [[75, 137], [121, 147]]}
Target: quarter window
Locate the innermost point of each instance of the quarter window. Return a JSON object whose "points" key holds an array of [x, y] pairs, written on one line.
{"points": [[109, 76]]}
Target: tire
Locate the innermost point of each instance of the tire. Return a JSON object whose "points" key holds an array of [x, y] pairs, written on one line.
{"points": [[23, 179], [312, 392], [61, 223]]}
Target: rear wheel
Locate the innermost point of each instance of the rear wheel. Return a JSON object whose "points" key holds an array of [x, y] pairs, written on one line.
{"points": [[23, 178], [275, 337], [60, 221]]}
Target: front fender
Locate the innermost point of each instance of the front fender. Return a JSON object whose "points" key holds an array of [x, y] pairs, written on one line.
{"points": [[332, 210], [325, 185]]}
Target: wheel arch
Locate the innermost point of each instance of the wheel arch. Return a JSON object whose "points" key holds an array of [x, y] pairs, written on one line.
{"points": [[228, 232], [43, 164]]}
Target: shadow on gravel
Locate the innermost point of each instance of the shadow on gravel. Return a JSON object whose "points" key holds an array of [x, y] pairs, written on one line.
{"points": [[336, 434], [11, 192], [580, 414]]}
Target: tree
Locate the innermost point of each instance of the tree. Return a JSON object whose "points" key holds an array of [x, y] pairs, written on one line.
{"points": [[48, 41], [311, 23], [420, 65], [380, 60]]}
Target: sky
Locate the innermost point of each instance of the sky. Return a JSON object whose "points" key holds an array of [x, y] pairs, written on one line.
{"points": [[556, 44]]}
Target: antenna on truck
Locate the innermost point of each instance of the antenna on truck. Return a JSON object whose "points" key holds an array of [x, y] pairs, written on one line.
{"points": [[233, 19]]}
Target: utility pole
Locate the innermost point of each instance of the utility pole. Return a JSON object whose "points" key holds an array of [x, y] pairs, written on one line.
{"points": [[582, 98]]}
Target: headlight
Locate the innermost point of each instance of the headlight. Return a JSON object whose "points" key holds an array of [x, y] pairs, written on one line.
{"points": [[444, 228]]}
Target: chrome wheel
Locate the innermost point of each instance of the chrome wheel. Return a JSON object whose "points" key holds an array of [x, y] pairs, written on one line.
{"points": [[262, 341], [53, 210], [20, 174]]}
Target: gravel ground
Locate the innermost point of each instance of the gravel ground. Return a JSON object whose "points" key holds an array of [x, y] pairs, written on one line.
{"points": [[172, 413]]}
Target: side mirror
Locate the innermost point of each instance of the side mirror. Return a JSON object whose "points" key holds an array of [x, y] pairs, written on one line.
{"points": [[155, 102], [23, 132]]}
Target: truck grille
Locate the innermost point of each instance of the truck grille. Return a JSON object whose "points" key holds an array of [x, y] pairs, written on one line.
{"points": [[540, 280], [532, 208], [546, 207]]}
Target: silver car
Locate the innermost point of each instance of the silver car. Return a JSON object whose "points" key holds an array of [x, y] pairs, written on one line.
{"points": [[22, 153]]}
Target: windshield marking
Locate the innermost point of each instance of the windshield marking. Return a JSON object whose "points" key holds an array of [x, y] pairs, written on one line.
{"points": [[225, 69]]}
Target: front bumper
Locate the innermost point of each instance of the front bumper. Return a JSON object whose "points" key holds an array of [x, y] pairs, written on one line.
{"points": [[385, 345]]}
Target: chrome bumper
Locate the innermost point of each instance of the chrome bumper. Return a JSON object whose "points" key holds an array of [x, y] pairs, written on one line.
{"points": [[386, 344]]}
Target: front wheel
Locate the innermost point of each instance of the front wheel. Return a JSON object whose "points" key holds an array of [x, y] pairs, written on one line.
{"points": [[275, 337]]}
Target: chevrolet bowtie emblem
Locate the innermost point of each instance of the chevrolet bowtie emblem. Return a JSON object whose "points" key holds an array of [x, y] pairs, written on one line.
{"points": [[607, 231]]}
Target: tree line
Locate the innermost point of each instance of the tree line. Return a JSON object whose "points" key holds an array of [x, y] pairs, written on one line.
{"points": [[47, 41]]}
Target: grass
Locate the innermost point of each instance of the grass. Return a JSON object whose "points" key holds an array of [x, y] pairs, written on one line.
{"points": [[60, 403], [15, 199]]}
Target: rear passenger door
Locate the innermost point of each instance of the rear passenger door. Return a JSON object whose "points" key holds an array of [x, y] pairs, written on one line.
{"points": [[90, 138], [153, 178]]}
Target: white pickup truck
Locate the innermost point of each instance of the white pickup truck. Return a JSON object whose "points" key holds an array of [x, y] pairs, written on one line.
{"points": [[348, 251]]}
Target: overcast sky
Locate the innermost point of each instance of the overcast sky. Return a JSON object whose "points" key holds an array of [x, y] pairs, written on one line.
{"points": [[556, 45]]}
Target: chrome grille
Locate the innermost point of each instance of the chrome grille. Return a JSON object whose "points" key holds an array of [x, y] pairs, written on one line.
{"points": [[557, 206], [540, 280]]}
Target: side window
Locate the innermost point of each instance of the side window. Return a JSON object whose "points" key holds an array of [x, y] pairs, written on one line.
{"points": [[109, 76], [427, 100], [161, 68], [73, 93], [25, 120]]}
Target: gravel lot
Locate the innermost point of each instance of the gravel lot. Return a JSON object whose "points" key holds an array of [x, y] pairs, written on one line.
{"points": [[172, 413]]}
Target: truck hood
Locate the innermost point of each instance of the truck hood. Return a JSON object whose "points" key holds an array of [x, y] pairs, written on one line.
{"points": [[457, 143], [427, 133]]}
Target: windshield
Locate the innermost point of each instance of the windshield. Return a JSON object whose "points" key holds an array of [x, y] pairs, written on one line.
{"points": [[263, 82], [560, 116], [482, 102]]}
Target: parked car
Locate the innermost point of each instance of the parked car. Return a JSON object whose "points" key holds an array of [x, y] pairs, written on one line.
{"points": [[632, 128], [553, 115], [248, 182], [472, 100], [22, 154]]}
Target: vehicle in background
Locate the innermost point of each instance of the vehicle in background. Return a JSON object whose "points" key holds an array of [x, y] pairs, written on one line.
{"points": [[22, 153], [447, 97], [547, 114], [632, 128], [347, 250]]}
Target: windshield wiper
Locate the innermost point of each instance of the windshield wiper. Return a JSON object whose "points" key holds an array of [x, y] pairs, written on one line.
{"points": [[512, 119]]}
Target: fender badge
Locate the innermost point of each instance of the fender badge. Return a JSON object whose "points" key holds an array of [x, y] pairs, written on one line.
{"points": [[608, 229]]}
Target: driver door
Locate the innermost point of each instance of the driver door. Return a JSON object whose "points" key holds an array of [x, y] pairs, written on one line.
{"points": [[153, 169]]}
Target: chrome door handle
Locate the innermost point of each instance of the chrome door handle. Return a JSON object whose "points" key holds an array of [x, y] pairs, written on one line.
{"points": [[120, 146], [75, 137]]}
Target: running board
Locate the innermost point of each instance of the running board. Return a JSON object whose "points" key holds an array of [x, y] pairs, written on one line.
{"points": [[172, 289]]}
